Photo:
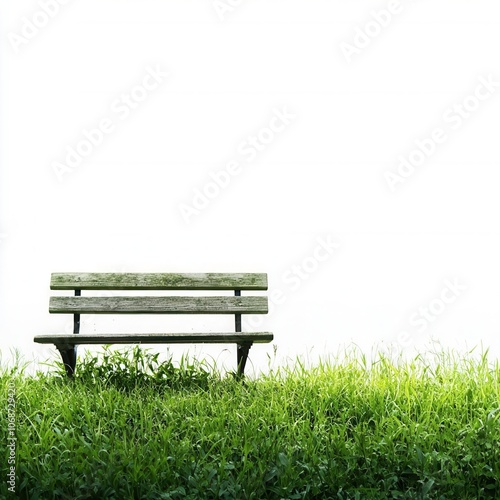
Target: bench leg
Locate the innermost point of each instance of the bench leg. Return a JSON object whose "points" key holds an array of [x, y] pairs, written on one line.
{"points": [[68, 355], [242, 356]]}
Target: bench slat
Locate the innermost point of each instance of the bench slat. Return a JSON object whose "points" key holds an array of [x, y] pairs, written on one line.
{"points": [[153, 338], [159, 305], [158, 281]]}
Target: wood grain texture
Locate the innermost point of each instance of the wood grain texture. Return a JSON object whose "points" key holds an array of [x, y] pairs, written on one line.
{"points": [[159, 305], [158, 281], [155, 338]]}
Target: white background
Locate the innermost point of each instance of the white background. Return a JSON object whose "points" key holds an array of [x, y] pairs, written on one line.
{"points": [[322, 177]]}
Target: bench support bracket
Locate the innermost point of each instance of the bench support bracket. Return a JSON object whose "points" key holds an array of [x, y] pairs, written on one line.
{"points": [[68, 352], [242, 356], [243, 347], [68, 355]]}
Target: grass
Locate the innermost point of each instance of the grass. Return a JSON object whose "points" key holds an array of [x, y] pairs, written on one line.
{"points": [[131, 427]]}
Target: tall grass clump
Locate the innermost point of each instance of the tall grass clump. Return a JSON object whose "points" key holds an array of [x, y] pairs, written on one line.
{"points": [[131, 427]]}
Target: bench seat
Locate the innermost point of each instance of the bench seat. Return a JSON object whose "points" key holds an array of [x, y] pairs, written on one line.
{"points": [[155, 338]]}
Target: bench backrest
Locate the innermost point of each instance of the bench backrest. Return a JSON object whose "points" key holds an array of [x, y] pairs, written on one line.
{"points": [[155, 304]]}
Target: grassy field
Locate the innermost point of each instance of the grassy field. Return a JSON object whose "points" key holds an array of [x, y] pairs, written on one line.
{"points": [[131, 427]]}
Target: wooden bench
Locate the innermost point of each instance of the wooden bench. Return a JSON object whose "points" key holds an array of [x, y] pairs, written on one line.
{"points": [[170, 304]]}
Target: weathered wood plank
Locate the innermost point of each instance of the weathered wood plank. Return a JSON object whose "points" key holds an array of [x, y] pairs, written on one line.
{"points": [[155, 338], [158, 281], [159, 305]]}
